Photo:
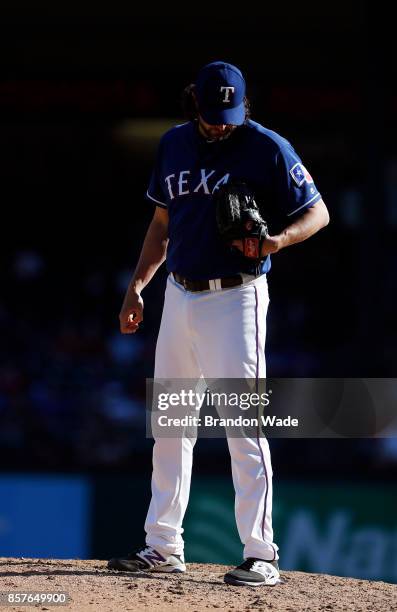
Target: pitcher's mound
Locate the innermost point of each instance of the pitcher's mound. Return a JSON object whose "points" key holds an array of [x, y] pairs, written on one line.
{"points": [[91, 587]]}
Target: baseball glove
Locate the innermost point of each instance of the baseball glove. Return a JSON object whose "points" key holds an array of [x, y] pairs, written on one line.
{"points": [[238, 218]]}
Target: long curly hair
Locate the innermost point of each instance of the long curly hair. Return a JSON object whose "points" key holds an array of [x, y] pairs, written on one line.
{"points": [[189, 105]]}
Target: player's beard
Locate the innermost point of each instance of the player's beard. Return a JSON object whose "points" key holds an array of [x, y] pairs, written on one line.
{"points": [[215, 132]]}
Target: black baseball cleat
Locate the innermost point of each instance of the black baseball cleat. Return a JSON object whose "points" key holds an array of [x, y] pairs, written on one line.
{"points": [[254, 572], [148, 559]]}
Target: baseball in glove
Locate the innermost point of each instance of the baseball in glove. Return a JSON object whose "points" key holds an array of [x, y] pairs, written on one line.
{"points": [[238, 218]]}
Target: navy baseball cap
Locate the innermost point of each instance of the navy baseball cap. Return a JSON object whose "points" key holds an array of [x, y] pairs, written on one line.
{"points": [[220, 90]]}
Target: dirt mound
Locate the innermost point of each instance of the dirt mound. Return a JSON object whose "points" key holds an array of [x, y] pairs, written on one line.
{"points": [[92, 587]]}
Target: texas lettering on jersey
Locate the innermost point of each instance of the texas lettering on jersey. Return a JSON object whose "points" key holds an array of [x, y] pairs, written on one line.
{"points": [[188, 171], [184, 184]]}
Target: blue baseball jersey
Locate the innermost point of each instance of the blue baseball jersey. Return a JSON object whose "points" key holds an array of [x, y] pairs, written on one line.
{"points": [[189, 169]]}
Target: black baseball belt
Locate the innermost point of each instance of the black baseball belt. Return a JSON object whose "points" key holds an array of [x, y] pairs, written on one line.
{"points": [[209, 285]]}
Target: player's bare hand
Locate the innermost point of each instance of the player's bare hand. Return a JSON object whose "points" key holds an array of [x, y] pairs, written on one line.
{"points": [[131, 314], [272, 244]]}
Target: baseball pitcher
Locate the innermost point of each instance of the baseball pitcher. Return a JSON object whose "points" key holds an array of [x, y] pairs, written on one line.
{"points": [[217, 180]]}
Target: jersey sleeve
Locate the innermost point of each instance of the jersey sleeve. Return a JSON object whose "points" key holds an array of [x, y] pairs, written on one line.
{"points": [[155, 192], [294, 185]]}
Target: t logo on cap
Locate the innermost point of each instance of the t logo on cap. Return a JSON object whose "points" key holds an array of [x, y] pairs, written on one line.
{"points": [[227, 93], [220, 91]]}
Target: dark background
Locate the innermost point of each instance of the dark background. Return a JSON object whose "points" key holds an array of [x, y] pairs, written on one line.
{"points": [[85, 93]]}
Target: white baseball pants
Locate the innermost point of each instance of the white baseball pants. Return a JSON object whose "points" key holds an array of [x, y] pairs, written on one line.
{"points": [[213, 334]]}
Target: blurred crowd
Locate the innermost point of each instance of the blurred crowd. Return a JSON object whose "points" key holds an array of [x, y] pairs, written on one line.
{"points": [[73, 389], [78, 132]]}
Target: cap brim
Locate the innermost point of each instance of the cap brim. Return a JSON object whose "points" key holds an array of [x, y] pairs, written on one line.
{"points": [[225, 116]]}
